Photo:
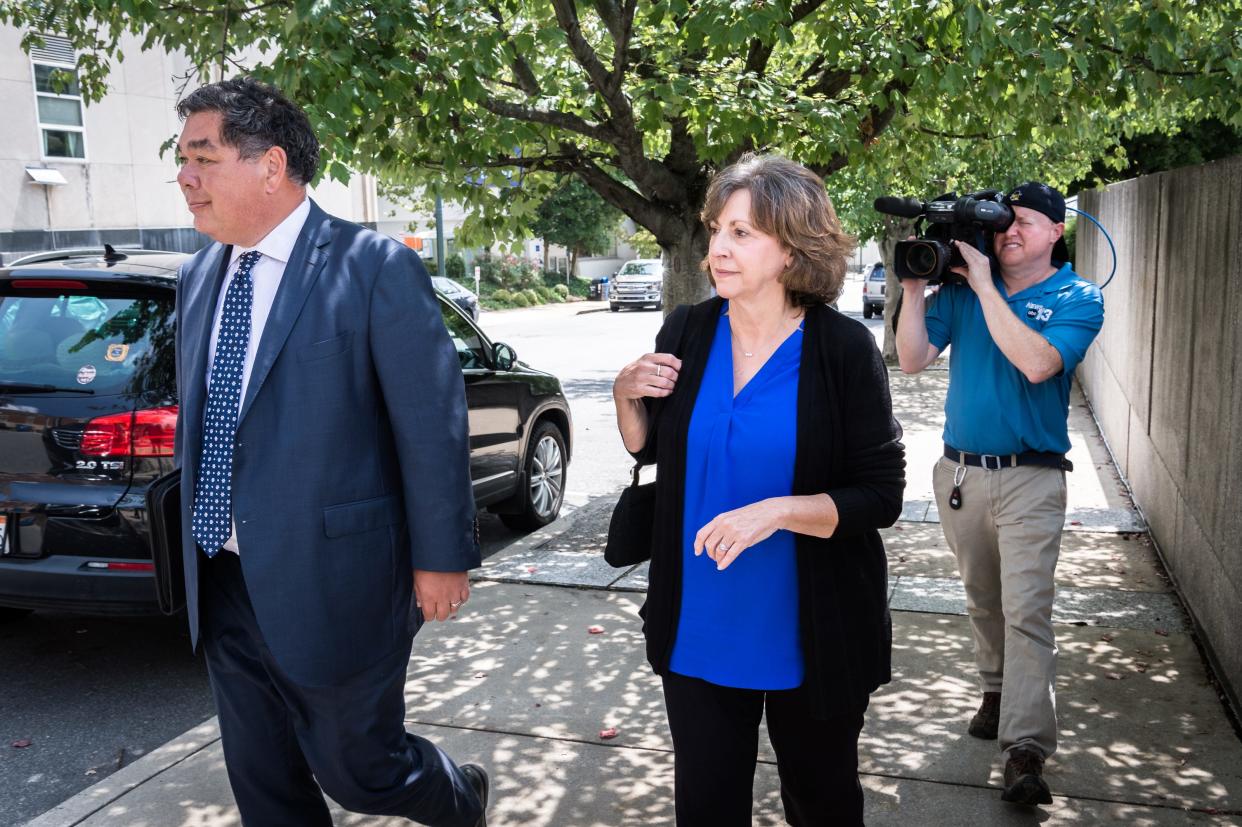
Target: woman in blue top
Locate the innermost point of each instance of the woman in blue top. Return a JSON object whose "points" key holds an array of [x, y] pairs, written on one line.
{"points": [[779, 458]]}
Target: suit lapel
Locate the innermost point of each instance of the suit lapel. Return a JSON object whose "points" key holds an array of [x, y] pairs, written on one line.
{"points": [[305, 263], [200, 311]]}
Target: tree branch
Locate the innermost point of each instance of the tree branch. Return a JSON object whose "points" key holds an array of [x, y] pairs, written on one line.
{"points": [[620, 56], [1139, 60], [525, 76], [562, 120], [869, 128], [977, 136], [759, 52], [584, 54], [682, 158], [610, 12], [659, 220]]}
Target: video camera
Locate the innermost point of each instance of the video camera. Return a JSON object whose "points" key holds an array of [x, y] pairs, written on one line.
{"points": [[971, 218]]}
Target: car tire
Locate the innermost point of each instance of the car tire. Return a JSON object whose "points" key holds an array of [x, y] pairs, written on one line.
{"points": [[543, 490], [9, 614], [614, 307], [867, 311], [659, 305]]}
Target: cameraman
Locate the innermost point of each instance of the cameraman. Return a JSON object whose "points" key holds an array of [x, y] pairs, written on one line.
{"points": [[1019, 327]]}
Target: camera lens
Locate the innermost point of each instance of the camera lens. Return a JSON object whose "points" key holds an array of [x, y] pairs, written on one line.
{"points": [[921, 260]]}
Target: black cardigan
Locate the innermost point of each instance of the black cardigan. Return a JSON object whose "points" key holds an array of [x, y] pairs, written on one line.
{"points": [[848, 446]]}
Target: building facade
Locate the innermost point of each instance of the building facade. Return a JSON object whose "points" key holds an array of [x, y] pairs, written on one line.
{"points": [[79, 175]]}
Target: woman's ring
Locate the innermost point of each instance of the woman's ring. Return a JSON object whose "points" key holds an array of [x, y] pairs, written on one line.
{"points": [[453, 605], [722, 546]]}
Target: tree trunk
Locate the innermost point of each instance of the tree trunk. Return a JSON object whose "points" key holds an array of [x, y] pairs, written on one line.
{"points": [[545, 255], [895, 229], [684, 281], [573, 264]]}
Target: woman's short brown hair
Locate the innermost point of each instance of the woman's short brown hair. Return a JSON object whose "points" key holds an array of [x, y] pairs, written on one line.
{"points": [[788, 201]]}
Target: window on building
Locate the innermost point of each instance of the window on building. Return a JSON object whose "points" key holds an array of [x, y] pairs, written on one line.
{"points": [[58, 98]]}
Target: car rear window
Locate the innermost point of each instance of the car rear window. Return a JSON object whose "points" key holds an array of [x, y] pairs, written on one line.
{"points": [[877, 274], [87, 340]]}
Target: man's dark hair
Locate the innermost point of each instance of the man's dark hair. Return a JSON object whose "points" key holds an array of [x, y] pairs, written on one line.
{"points": [[255, 117]]}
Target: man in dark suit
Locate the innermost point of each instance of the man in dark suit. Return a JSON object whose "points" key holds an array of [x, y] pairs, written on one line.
{"points": [[326, 498]]}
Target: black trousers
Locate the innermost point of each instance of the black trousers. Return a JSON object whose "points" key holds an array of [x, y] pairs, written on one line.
{"points": [[716, 742], [284, 742]]}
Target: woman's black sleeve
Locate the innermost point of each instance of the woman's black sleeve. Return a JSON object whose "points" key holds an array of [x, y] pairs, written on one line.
{"points": [[874, 464], [664, 343]]}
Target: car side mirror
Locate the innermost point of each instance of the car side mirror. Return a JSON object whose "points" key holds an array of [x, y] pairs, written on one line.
{"points": [[503, 356]]}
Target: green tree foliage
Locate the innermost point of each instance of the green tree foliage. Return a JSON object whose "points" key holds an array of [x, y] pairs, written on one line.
{"points": [[643, 99], [1150, 152], [644, 244], [574, 216]]}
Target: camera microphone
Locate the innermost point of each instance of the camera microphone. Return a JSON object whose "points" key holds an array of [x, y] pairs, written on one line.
{"points": [[903, 207]]}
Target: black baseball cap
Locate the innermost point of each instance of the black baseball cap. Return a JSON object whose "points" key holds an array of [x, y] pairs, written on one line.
{"points": [[1043, 199], [1039, 197]]}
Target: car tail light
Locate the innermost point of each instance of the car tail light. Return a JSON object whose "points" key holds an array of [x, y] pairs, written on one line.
{"points": [[114, 566], [145, 433]]}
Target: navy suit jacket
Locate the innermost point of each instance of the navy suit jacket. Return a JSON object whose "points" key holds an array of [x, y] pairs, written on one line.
{"points": [[351, 459]]}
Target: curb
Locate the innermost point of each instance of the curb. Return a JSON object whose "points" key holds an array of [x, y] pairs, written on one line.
{"points": [[94, 798]]}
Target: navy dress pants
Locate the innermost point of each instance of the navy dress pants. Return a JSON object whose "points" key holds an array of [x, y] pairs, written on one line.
{"points": [[286, 744], [716, 745]]}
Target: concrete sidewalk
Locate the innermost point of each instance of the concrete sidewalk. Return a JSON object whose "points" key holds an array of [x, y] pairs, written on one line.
{"points": [[520, 685]]}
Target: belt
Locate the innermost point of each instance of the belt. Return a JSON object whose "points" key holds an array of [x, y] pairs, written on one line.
{"points": [[995, 462]]}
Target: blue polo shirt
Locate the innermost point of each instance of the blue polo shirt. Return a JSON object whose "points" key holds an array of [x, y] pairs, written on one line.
{"points": [[991, 407]]}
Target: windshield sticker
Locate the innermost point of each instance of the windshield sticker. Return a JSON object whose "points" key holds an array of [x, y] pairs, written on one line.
{"points": [[86, 374], [117, 353]]}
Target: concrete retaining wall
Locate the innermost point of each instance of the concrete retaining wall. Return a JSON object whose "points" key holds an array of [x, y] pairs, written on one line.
{"points": [[1165, 378]]}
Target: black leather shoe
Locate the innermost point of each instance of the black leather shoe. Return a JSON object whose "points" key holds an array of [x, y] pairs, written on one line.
{"points": [[477, 776], [1024, 778], [987, 720]]}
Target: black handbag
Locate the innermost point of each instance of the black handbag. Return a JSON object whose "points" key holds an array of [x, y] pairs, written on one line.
{"points": [[164, 519], [633, 518], [632, 523]]}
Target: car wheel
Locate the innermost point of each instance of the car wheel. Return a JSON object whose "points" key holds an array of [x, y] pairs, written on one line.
{"points": [[8, 614], [614, 307], [659, 305], [867, 311], [544, 491]]}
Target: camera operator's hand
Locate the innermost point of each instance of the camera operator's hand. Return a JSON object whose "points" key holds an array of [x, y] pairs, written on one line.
{"points": [[978, 270]]}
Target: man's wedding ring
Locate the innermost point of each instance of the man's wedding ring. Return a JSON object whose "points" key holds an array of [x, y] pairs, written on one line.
{"points": [[658, 368]]}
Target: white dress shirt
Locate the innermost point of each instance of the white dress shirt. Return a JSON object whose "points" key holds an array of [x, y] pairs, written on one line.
{"points": [[275, 249]]}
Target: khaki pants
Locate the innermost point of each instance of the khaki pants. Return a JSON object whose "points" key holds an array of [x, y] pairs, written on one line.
{"points": [[1007, 537]]}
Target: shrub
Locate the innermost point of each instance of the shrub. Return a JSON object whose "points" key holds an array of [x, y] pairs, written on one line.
{"points": [[562, 290], [521, 299], [455, 267], [507, 271], [546, 295], [531, 297], [502, 295]]}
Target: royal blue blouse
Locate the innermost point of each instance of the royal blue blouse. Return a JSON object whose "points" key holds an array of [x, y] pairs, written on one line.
{"points": [[739, 627]]}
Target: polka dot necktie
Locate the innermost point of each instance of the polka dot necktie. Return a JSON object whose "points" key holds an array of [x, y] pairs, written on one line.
{"points": [[212, 524]]}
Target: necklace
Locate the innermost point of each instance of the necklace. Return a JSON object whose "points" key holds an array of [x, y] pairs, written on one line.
{"points": [[750, 353]]}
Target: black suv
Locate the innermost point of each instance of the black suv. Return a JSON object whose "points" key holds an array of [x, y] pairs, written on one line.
{"points": [[88, 413]]}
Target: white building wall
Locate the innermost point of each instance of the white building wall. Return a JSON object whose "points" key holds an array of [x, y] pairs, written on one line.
{"points": [[123, 186]]}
